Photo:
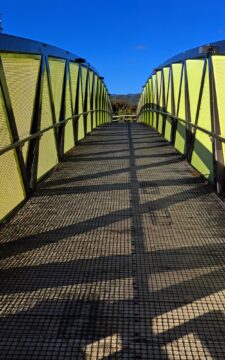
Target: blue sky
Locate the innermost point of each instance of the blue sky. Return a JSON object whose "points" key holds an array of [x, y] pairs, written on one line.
{"points": [[122, 39]]}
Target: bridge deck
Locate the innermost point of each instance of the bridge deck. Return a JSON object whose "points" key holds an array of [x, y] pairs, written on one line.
{"points": [[119, 255]]}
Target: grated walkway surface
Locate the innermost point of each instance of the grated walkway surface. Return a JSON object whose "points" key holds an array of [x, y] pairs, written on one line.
{"points": [[119, 255]]}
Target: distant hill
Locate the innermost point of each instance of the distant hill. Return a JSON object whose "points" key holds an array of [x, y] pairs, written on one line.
{"points": [[131, 99]]}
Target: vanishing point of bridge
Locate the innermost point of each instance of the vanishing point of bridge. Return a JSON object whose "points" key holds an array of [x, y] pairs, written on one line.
{"points": [[116, 252]]}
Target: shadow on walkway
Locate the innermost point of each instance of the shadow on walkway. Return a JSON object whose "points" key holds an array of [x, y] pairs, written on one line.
{"points": [[137, 272]]}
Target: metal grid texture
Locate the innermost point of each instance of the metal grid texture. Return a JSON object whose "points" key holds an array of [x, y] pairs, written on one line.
{"points": [[184, 101], [118, 255], [41, 89]]}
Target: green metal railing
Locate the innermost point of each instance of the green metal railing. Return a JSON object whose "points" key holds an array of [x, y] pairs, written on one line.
{"points": [[183, 100], [50, 100]]}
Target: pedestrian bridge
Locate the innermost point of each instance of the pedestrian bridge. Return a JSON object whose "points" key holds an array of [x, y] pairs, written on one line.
{"points": [[112, 237]]}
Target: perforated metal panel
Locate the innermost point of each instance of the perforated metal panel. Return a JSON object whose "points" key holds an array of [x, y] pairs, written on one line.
{"points": [[84, 79], [168, 108], [166, 75], [33, 83], [57, 72], [90, 82], [180, 108], [98, 102], [154, 96], [202, 157], [159, 92], [159, 100], [219, 73], [21, 75], [94, 101], [11, 186], [151, 101], [177, 71], [189, 98], [148, 101], [194, 75], [103, 103], [69, 133], [47, 158], [74, 72], [81, 109]]}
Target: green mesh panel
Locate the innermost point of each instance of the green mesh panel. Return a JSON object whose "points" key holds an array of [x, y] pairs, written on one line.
{"points": [[80, 110], [94, 102], [177, 71], [74, 72], [90, 83], [202, 157], [181, 128], [11, 185], [21, 75], [47, 158], [194, 75], [219, 73], [69, 133], [57, 70]]}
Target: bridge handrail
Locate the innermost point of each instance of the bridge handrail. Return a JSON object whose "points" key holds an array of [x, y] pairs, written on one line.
{"points": [[50, 99], [39, 133], [191, 125], [188, 91]]}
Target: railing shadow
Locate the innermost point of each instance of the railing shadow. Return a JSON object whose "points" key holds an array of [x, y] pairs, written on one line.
{"points": [[141, 323]]}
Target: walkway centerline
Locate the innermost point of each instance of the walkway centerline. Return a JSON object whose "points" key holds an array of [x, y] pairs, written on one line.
{"points": [[117, 257]]}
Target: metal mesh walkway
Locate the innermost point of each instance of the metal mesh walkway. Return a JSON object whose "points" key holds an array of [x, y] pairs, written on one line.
{"points": [[119, 255]]}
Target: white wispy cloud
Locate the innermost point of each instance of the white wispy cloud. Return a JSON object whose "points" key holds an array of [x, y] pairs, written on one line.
{"points": [[140, 47]]}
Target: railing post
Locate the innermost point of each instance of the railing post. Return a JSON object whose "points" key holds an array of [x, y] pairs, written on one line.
{"points": [[76, 109], [198, 109], [173, 120], [218, 159], [92, 101], [189, 136], [163, 104], [157, 93], [52, 104], [33, 151], [85, 101], [63, 112]]}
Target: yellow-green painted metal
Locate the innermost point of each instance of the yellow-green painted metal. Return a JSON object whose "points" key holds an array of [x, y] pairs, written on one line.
{"points": [[89, 92], [11, 186], [47, 157], [21, 75], [179, 95], [57, 70], [43, 94], [219, 74], [95, 101], [184, 101], [69, 133], [203, 147], [81, 107], [74, 72]]}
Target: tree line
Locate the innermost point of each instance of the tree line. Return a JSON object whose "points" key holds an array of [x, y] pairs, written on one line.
{"points": [[122, 107]]}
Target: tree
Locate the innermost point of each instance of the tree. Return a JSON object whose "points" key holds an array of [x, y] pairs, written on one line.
{"points": [[122, 107]]}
